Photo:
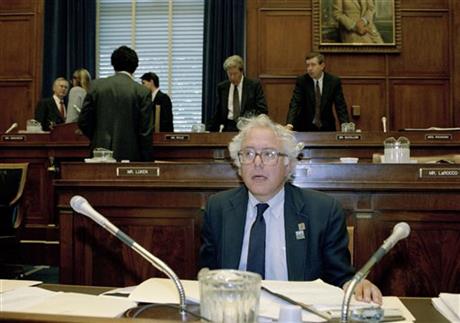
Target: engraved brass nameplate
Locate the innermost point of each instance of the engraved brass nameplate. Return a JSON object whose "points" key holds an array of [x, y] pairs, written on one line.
{"points": [[438, 136], [14, 138], [439, 173], [138, 171], [348, 137], [177, 137]]}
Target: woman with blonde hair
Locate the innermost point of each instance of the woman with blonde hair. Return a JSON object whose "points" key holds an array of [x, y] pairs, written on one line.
{"points": [[81, 81]]}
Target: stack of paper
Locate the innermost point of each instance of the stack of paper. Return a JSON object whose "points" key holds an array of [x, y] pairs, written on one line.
{"points": [[17, 296], [448, 305], [322, 296]]}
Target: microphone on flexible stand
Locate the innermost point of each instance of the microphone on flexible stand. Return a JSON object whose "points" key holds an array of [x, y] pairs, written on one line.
{"points": [[80, 205], [11, 128], [400, 231], [384, 123]]}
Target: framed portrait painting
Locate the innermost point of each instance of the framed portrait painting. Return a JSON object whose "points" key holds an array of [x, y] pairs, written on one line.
{"points": [[357, 26]]}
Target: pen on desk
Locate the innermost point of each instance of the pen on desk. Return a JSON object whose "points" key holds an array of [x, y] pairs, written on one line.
{"points": [[305, 307]]}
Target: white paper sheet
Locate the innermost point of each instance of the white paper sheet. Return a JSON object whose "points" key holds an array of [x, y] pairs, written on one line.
{"points": [[445, 309], [163, 291], [41, 301], [10, 284], [318, 293], [18, 299], [452, 301]]}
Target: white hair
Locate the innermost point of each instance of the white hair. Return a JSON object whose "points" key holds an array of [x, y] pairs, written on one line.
{"points": [[289, 143]]}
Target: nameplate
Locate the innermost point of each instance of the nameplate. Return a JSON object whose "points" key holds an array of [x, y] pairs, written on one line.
{"points": [[438, 137], [177, 137], [439, 173], [138, 171], [348, 137], [14, 138]]}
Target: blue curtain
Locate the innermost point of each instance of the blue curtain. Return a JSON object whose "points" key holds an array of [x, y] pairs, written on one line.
{"points": [[224, 22], [69, 40]]}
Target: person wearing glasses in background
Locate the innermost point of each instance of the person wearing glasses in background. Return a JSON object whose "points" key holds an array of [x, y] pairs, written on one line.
{"points": [[271, 227], [80, 86]]}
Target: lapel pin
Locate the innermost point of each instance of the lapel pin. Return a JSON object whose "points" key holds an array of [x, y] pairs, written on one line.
{"points": [[299, 235]]}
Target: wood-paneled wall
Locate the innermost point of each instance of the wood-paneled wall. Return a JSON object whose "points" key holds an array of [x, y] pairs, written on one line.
{"points": [[418, 87], [21, 33]]}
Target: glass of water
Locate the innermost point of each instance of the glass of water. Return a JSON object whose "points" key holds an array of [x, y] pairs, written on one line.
{"points": [[229, 296]]}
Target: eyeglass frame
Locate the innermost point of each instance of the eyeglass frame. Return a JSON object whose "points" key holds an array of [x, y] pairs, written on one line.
{"points": [[270, 162]]}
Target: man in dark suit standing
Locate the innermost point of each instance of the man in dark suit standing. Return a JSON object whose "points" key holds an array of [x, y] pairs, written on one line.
{"points": [[52, 111], [236, 97], [117, 111], [152, 82], [272, 227], [314, 94]]}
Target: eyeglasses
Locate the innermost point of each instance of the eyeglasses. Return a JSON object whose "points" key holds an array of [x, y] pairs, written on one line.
{"points": [[268, 156]]}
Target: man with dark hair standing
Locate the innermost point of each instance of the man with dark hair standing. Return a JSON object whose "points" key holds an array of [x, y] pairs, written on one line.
{"points": [[52, 111], [314, 94], [117, 111], [152, 82], [236, 97]]}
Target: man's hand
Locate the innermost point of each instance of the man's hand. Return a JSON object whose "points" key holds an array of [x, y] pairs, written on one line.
{"points": [[365, 291], [361, 28]]}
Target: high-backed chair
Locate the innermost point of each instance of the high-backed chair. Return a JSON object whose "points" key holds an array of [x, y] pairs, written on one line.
{"points": [[12, 182]]}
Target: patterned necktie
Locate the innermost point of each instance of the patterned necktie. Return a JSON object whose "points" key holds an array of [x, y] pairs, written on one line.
{"points": [[256, 251], [62, 108], [317, 118], [236, 104]]}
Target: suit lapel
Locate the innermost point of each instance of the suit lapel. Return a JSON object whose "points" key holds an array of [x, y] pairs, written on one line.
{"points": [[326, 90], [234, 220], [225, 92], [311, 89], [296, 246], [244, 96]]}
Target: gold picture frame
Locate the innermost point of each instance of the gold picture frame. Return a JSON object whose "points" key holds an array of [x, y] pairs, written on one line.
{"points": [[363, 26]]}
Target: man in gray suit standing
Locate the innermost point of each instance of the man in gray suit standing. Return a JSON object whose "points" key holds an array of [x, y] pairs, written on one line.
{"points": [[117, 111]]}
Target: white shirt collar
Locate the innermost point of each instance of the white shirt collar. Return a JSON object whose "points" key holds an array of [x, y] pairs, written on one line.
{"points": [[154, 93], [275, 200]]}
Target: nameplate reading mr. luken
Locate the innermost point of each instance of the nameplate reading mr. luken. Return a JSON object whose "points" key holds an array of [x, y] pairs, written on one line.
{"points": [[439, 173], [138, 171]]}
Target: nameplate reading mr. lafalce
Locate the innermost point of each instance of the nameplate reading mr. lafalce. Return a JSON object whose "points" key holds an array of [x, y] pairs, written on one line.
{"points": [[439, 173], [138, 171]]}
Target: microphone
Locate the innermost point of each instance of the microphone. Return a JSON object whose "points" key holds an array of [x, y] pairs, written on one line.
{"points": [[384, 123], [80, 205], [400, 231], [221, 127], [11, 128]]}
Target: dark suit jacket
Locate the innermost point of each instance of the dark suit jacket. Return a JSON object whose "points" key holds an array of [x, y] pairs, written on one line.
{"points": [[46, 112], [117, 115], [322, 254], [166, 115], [252, 102], [302, 106]]}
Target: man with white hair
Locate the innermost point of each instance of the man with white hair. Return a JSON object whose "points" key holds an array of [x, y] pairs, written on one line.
{"points": [[237, 97], [271, 227], [52, 111]]}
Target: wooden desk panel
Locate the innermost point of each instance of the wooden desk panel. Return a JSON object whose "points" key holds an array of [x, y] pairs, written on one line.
{"points": [[45, 153], [164, 214]]}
